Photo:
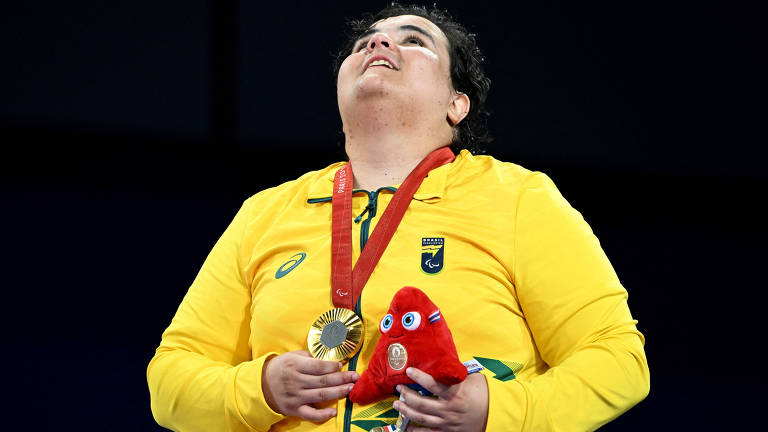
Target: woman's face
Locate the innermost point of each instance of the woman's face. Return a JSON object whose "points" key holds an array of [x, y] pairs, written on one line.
{"points": [[405, 58]]}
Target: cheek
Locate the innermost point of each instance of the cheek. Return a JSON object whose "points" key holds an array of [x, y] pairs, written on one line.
{"points": [[347, 68], [342, 82], [434, 87], [428, 64], [427, 59]]}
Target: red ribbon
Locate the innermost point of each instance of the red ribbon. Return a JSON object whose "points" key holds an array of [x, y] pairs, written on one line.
{"points": [[347, 283]]}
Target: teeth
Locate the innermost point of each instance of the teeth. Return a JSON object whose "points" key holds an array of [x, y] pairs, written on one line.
{"points": [[382, 63]]}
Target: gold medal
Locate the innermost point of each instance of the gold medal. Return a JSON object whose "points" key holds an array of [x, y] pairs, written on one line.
{"points": [[402, 423], [397, 356], [336, 335]]}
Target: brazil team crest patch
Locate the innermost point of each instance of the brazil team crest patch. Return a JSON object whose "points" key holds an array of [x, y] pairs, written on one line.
{"points": [[432, 254]]}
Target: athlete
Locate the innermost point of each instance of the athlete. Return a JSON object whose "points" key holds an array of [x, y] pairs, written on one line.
{"points": [[516, 272]]}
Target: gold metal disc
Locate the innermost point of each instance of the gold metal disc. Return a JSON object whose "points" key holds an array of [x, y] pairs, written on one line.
{"points": [[336, 335], [397, 356]]}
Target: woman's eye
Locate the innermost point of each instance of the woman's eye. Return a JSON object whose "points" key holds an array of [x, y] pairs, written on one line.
{"points": [[414, 40], [386, 323], [361, 46], [411, 320]]}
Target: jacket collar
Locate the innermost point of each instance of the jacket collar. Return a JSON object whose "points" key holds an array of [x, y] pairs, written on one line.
{"points": [[430, 191]]}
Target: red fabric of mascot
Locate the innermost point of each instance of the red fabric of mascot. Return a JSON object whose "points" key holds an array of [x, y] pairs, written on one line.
{"points": [[412, 334]]}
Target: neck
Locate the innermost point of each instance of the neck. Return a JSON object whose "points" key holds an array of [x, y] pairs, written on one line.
{"points": [[377, 166], [382, 155]]}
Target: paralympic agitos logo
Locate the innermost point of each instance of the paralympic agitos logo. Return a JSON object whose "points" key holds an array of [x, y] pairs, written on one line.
{"points": [[432, 254]]}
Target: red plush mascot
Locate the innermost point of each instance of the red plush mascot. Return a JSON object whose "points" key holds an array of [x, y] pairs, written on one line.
{"points": [[412, 334]]}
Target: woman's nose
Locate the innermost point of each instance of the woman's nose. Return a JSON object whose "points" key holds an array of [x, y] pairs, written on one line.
{"points": [[379, 39]]}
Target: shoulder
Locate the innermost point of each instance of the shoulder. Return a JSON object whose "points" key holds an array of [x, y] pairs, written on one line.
{"points": [[297, 190], [290, 198], [287, 197], [490, 174]]}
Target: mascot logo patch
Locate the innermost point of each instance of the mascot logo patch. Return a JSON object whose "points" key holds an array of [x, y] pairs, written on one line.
{"points": [[432, 254]]}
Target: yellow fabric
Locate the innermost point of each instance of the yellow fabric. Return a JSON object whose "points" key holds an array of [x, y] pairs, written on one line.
{"points": [[524, 281]]}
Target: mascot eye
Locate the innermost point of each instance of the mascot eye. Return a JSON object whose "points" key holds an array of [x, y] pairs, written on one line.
{"points": [[386, 323], [411, 320]]}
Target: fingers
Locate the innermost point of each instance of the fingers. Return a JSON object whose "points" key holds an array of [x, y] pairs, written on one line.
{"points": [[293, 381], [316, 415], [313, 366], [328, 380], [425, 404], [425, 380], [330, 384], [417, 416], [315, 374], [325, 394]]}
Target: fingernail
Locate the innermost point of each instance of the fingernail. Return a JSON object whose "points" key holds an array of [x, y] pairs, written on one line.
{"points": [[396, 405], [409, 371], [340, 366], [355, 375], [399, 388], [349, 387]]}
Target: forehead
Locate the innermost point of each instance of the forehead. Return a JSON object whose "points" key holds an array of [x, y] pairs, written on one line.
{"points": [[394, 23]]}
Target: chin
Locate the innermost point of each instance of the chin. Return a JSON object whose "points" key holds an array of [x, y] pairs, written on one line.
{"points": [[372, 85]]}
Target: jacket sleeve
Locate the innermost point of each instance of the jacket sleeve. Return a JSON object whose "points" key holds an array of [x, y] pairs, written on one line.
{"points": [[577, 312], [202, 377]]}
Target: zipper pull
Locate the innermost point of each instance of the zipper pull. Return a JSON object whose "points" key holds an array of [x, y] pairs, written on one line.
{"points": [[368, 208]]}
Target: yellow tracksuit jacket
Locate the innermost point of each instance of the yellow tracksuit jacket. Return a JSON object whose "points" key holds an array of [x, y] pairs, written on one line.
{"points": [[522, 283]]}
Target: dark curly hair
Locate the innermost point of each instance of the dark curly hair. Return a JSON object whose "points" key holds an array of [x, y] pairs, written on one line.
{"points": [[467, 74]]}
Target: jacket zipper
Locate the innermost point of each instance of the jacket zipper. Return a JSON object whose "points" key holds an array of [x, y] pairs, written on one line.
{"points": [[373, 198]]}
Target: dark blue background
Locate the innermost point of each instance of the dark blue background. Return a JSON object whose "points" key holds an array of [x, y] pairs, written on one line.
{"points": [[131, 132]]}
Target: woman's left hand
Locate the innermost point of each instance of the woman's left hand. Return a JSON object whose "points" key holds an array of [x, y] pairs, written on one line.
{"points": [[458, 408]]}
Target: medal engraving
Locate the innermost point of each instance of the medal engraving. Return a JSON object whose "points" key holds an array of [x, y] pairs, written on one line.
{"points": [[334, 334], [397, 356]]}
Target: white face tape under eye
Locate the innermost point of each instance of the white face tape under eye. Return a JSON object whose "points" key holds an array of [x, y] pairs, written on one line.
{"points": [[386, 323], [411, 320]]}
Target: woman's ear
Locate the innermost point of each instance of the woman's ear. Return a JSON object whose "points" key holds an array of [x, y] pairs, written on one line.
{"points": [[458, 109]]}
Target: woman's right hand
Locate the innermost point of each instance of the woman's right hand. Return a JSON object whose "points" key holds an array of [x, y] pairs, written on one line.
{"points": [[293, 381]]}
